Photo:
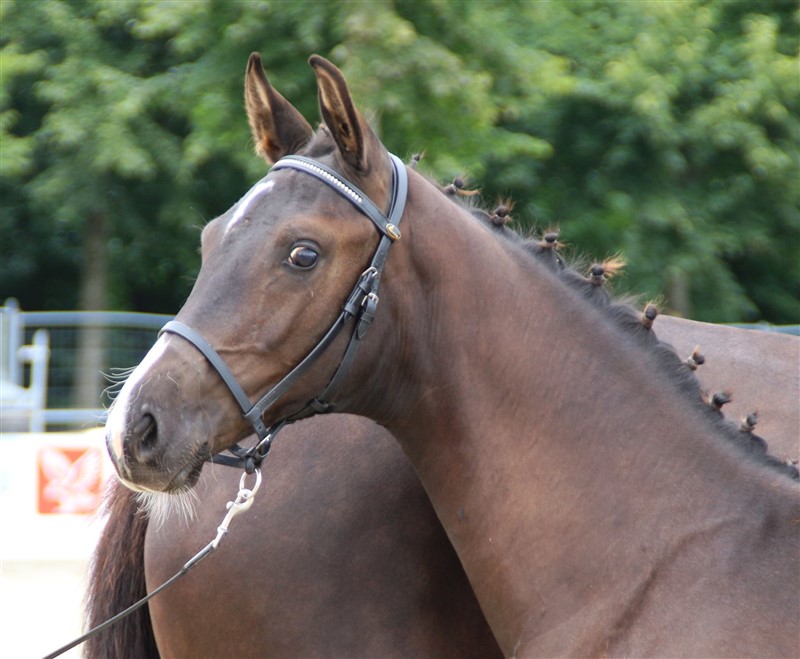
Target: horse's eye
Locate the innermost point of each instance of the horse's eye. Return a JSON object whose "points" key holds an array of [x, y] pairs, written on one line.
{"points": [[303, 256]]}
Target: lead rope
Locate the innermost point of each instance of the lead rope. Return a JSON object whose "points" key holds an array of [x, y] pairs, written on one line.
{"points": [[242, 502]]}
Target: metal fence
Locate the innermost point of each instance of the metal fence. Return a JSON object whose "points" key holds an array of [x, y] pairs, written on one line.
{"points": [[58, 368], [88, 352]]}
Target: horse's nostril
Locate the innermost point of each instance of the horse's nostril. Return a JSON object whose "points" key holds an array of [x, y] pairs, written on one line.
{"points": [[147, 431]]}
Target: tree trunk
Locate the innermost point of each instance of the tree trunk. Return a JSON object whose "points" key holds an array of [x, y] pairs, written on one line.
{"points": [[678, 293], [93, 296]]}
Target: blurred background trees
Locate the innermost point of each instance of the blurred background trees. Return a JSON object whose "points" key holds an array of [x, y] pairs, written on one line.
{"points": [[666, 131]]}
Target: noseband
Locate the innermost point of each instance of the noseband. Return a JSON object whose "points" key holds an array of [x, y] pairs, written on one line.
{"points": [[360, 305]]}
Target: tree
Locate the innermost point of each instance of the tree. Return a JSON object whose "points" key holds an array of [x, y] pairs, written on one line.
{"points": [[665, 131], [674, 129]]}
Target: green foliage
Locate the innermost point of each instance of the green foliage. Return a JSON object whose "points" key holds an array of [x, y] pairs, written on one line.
{"points": [[666, 131]]}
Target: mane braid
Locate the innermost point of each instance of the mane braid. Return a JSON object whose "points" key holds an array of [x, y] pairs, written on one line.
{"points": [[629, 320], [621, 312]]}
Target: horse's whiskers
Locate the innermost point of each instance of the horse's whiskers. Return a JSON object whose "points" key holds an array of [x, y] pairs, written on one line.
{"points": [[118, 374], [116, 377], [161, 506], [112, 391]]}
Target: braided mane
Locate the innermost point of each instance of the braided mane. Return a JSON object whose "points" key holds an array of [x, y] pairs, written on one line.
{"points": [[546, 250]]}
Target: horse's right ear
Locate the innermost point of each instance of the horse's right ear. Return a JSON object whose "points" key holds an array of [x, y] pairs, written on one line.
{"points": [[278, 128]]}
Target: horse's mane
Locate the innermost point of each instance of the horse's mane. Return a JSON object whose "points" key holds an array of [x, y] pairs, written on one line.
{"points": [[546, 250]]}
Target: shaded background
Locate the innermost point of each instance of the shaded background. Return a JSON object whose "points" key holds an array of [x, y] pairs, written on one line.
{"points": [[666, 131]]}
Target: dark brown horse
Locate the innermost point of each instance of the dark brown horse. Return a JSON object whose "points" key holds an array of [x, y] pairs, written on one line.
{"points": [[595, 507], [381, 496], [760, 370]]}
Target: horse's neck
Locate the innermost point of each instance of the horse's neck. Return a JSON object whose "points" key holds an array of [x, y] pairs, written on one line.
{"points": [[547, 442]]}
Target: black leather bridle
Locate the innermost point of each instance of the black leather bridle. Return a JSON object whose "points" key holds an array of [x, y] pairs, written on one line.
{"points": [[360, 305]]}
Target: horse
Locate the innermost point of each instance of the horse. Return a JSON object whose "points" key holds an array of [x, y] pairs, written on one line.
{"points": [[313, 462], [595, 505], [760, 371]]}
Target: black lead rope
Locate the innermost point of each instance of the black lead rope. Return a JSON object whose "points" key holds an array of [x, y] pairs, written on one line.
{"points": [[123, 614], [244, 499]]}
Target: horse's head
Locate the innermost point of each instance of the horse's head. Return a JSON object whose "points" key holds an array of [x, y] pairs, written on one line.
{"points": [[276, 269]]}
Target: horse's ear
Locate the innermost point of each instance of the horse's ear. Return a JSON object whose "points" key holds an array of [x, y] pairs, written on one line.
{"points": [[352, 133], [278, 128]]}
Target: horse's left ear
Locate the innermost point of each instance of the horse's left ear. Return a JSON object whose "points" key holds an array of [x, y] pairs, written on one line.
{"points": [[352, 133]]}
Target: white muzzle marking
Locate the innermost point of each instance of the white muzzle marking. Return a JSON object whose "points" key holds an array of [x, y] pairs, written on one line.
{"points": [[118, 414]]}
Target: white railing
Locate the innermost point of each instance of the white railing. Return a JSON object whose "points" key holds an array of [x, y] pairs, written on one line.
{"points": [[46, 363], [51, 363]]}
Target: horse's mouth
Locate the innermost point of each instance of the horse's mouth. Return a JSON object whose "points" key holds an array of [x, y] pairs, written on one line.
{"points": [[185, 478], [188, 476]]}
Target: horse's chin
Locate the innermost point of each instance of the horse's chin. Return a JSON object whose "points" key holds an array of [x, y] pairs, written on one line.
{"points": [[184, 480], [176, 502], [177, 506]]}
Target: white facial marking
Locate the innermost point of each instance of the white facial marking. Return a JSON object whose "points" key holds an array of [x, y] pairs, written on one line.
{"points": [[115, 424], [262, 187]]}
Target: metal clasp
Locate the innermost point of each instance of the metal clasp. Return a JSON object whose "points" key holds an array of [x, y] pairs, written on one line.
{"points": [[368, 276], [369, 305], [243, 501]]}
